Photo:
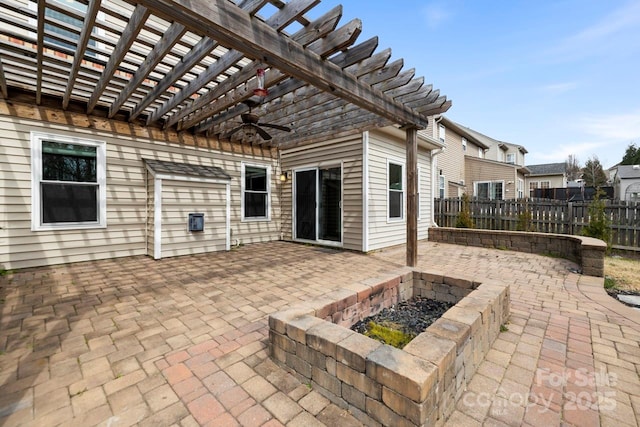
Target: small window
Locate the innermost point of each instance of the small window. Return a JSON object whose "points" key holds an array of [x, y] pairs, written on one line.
{"points": [[480, 152], [464, 144], [511, 158], [255, 192], [68, 182], [442, 133], [545, 184], [441, 183], [489, 190], [520, 188], [396, 191]]}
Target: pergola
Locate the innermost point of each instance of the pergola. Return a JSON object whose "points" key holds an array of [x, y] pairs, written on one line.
{"points": [[190, 66]]}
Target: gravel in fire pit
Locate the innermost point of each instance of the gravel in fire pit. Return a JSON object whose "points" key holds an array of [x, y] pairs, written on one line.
{"points": [[413, 316]]}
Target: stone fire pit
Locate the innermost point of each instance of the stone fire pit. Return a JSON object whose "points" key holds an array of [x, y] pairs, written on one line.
{"points": [[417, 385]]}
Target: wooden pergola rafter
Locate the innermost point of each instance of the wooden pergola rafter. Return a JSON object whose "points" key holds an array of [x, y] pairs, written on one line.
{"points": [[190, 66]]}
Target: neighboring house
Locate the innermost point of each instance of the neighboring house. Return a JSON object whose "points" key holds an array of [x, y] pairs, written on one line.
{"points": [[468, 164], [106, 155], [549, 175], [627, 183]]}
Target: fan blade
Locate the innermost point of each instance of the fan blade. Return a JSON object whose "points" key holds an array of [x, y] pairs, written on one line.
{"points": [[263, 133], [271, 125], [231, 132]]}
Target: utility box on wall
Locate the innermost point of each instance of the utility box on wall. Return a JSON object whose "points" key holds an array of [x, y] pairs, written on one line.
{"points": [[196, 222]]}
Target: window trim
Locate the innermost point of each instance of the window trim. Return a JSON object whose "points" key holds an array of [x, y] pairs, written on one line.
{"points": [[36, 178], [442, 185], [464, 144], [402, 217], [491, 183], [442, 133], [508, 155], [267, 168]]}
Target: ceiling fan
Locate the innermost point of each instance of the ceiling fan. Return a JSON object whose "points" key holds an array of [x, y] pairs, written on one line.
{"points": [[251, 124]]}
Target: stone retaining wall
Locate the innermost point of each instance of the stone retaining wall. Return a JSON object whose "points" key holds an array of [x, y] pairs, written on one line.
{"points": [[586, 251], [380, 384]]}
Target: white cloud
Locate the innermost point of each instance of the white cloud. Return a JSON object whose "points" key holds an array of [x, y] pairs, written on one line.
{"points": [[561, 87], [612, 127], [435, 15], [617, 30]]}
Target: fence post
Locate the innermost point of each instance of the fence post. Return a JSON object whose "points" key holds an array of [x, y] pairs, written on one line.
{"points": [[570, 217]]}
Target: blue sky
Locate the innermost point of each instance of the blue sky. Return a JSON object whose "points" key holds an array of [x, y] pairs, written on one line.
{"points": [[558, 77]]}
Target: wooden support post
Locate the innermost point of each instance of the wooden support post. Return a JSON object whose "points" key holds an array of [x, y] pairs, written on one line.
{"points": [[412, 198]]}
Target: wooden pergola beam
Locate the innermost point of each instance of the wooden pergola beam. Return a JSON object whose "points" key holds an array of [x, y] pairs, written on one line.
{"points": [[348, 59], [284, 15], [229, 94], [4, 92], [138, 18], [40, 54], [236, 29], [412, 195], [168, 40], [83, 41]]}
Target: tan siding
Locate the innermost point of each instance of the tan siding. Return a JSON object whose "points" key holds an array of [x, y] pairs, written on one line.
{"points": [[332, 153], [382, 232], [482, 171], [181, 198], [126, 232]]}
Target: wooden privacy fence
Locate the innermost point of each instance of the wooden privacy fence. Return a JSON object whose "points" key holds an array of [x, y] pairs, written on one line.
{"points": [[545, 216]]}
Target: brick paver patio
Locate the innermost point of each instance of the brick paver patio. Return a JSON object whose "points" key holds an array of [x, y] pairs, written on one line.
{"points": [[183, 341]]}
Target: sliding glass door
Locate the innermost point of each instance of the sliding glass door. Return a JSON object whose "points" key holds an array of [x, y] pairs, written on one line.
{"points": [[318, 204]]}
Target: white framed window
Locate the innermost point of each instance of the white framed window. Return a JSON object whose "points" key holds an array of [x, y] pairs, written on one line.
{"points": [[256, 192], [442, 133], [441, 184], [480, 152], [520, 188], [395, 187], [68, 183], [489, 190], [511, 158], [545, 184], [464, 144]]}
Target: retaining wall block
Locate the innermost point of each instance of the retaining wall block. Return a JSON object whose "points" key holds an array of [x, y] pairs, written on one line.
{"points": [[402, 372], [386, 416], [354, 350], [327, 381], [297, 327], [323, 337], [278, 320], [353, 396], [415, 412], [359, 380]]}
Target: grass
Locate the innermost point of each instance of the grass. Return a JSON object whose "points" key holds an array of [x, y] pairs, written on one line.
{"points": [[388, 334], [622, 273]]}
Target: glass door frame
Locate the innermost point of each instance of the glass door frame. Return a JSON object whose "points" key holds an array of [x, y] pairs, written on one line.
{"points": [[329, 165]]}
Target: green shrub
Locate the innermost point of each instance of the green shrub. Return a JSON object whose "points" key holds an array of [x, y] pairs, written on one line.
{"points": [[525, 220], [599, 225], [464, 219]]}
